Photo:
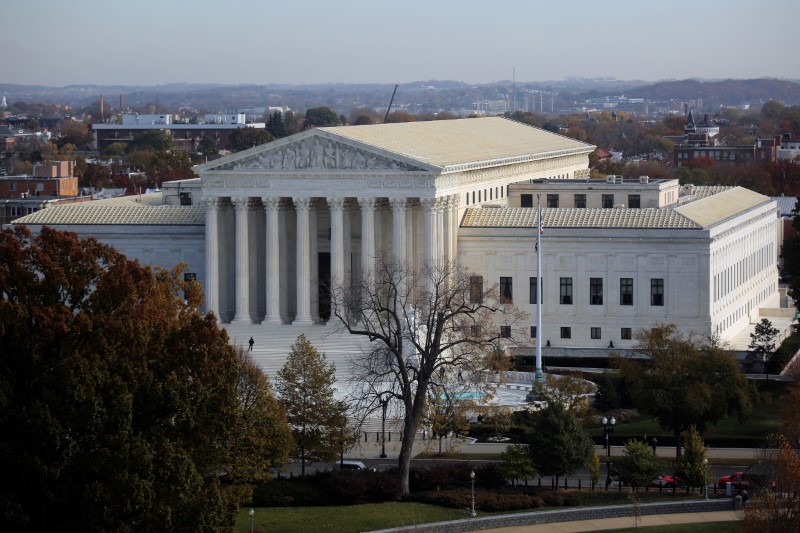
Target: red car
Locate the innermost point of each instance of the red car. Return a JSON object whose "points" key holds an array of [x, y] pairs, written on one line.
{"points": [[739, 481], [666, 482]]}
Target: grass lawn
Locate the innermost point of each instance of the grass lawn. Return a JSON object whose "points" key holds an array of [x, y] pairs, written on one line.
{"points": [[705, 527], [344, 519], [351, 519]]}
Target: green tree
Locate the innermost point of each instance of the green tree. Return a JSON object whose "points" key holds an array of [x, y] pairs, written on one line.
{"points": [[317, 117], [150, 141], [684, 383], [448, 407], [778, 510], [638, 465], [762, 344], [275, 125], [305, 387], [119, 399], [558, 443], [208, 147], [517, 463], [692, 468], [569, 391], [244, 138]]}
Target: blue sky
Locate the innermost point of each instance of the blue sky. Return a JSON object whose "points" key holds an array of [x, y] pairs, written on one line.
{"points": [[148, 42]]}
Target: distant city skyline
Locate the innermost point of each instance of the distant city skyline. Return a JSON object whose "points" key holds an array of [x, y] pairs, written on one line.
{"points": [[50, 42]]}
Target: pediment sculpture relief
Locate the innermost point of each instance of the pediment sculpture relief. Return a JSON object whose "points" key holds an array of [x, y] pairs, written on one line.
{"points": [[316, 154]]}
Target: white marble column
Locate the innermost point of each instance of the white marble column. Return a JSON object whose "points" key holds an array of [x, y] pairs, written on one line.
{"points": [[367, 236], [272, 261], [242, 316], [212, 255], [430, 232], [399, 229], [313, 255], [455, 202], [303, 266], [336, 206]]}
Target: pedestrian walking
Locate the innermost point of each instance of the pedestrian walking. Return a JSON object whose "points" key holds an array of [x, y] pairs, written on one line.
{"points": [[251, 342]]}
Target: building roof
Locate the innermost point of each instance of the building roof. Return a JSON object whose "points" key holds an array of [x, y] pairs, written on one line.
{"points": [[447, 143], [97, 213], [716, 208], [708, 210], [525, 217], [785, 205]]}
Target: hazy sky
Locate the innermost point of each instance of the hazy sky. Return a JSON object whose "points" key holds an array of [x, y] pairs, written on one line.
{"points": [[149, 42]]}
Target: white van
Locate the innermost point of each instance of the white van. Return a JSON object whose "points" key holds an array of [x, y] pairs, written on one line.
{"points": [[354, 465]]}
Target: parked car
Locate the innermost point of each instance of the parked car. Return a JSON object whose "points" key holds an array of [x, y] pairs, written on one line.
{"points": [[664, 481], [354, 465], [743, 480]]}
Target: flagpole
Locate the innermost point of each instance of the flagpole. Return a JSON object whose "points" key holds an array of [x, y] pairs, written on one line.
{"points": [[539, 287]]}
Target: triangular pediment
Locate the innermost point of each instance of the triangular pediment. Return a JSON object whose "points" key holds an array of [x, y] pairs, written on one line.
{"points": [[311, 151]]}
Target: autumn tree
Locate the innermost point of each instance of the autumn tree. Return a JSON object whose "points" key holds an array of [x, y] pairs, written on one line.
{"points": [[762, 344], [684, 382], [449, 405], [776, 510], [569, 391], [305, 386], [121, 405], [558, 443], [420, 323]]}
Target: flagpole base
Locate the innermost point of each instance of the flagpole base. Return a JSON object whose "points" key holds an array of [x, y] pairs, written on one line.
{"points": [[539, 376]]}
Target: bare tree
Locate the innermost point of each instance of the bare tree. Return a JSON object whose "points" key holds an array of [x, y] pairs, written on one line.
{"points": [[421, 326]]}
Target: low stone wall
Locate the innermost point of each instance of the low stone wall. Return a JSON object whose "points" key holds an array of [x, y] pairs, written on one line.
{"points": [[568, 515]]}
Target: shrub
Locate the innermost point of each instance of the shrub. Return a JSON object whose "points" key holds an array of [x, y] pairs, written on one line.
{"points": [[328, 488], [495, 501]]}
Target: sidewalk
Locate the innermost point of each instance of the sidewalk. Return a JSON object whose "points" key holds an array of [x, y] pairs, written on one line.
{"points": [[621, 523]]}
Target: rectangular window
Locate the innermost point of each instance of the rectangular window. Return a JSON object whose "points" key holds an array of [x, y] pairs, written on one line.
{"points": [[626, 291], [595, 291], [565, 291], [526, 200], [475, 331], [657, 291], [552, 200], [506, 290], [12, 186], [634, 201], [186, 198], [608, 201], [566, 332], [476, 289], [505, 331], [595, 333], [534, 291], [625, 334], [533, 332], [16, 211], [580, 201]]}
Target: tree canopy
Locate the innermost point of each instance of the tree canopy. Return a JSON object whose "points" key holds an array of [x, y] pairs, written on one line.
{"points": [[320, 116], [318, 421], [684, 382], [121, 405], [558, 443]]}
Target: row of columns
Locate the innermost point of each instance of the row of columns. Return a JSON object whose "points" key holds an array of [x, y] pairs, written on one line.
{"points": [[440, 223]]}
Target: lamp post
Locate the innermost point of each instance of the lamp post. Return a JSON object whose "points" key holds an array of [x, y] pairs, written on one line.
{"points": [[608, 432], [472, 502], [705, 483], [384, 402], [252, 514]]}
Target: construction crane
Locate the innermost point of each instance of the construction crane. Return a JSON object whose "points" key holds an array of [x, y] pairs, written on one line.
{"points": [[386, 117]]}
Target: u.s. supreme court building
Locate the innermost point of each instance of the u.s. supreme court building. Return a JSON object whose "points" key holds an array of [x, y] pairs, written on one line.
{"points": [[269, 228]]}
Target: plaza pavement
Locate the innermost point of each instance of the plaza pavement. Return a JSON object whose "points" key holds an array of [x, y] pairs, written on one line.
{"points": [[604, 524]]}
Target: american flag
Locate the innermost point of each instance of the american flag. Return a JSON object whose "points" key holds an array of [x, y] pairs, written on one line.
{"points": [[541, 226]]}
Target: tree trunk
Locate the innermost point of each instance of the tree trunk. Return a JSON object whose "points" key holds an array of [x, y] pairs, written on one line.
{"points": [[678, 445]]}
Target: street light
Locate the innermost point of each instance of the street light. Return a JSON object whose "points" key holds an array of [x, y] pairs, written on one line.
{"points": [[705, 484], [472, 502], [252, 514], [384, 403], [608, 432]]}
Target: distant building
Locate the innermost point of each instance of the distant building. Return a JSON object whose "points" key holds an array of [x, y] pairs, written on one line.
{"points": [[703, 127], [762, 150], [186, 136], [51, 183], [789, 150]]}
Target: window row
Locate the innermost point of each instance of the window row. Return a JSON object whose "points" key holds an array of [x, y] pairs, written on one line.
{"points": [[565, 290], [579, 201], [566, 332], [485, 195]]}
